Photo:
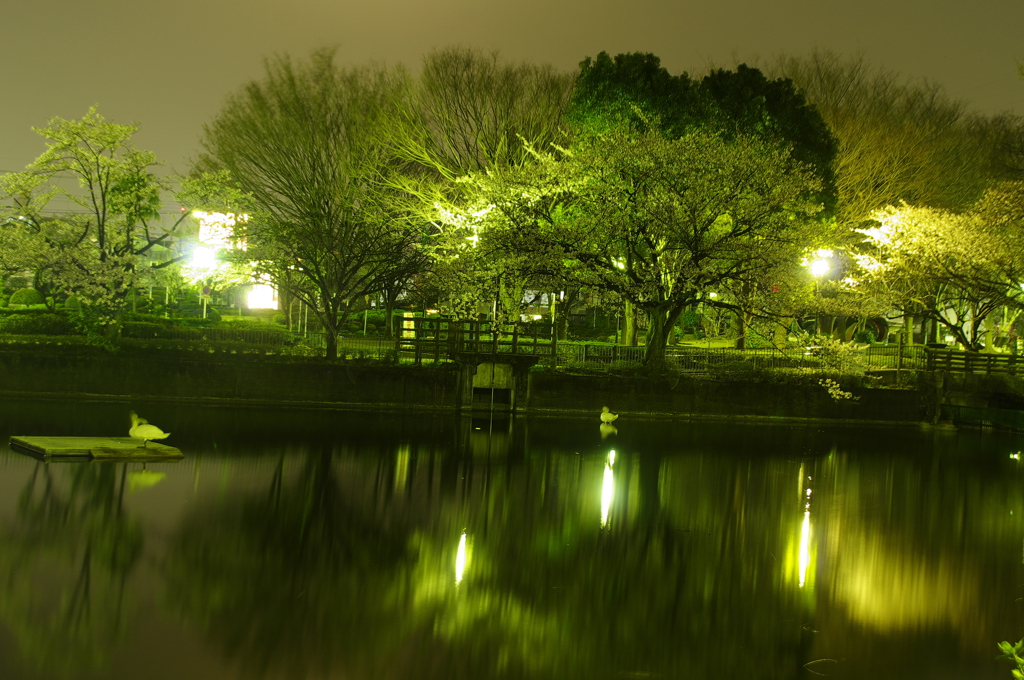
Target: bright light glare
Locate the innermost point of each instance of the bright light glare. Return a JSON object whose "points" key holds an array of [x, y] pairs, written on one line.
{"points": [[204, 258], [216, 229], [820, 266], [805, 547], [607, 494], [262, 296], [460, 559]]}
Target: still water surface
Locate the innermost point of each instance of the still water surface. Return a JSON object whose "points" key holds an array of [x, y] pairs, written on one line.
{"points": [[297, 544]]}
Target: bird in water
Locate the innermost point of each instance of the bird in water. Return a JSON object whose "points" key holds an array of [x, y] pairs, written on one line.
{"points": [[608, 430], [141, 429], [607, 417]]}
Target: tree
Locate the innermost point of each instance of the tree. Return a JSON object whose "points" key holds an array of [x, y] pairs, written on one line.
{"points": [[898, 140], [664, 223], [305, 145], [635, 88], [747, 102], [955, 269], [93, 251], [469, 111]]}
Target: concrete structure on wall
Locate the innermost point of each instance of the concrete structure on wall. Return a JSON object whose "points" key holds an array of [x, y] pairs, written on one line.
{"points": [[494, 383]]}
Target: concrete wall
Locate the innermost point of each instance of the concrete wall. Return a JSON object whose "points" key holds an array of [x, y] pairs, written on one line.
{"points": [[262, 380], [690, 396]]}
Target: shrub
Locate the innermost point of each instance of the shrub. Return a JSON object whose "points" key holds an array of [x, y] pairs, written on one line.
{"points": [[145, 318], [280, 319], [145, 329], [27, 296], [865, 335], [36, 324]]}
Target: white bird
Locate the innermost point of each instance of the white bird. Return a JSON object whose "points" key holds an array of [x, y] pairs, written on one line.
{"points": [[141, 429], [607, 417]]}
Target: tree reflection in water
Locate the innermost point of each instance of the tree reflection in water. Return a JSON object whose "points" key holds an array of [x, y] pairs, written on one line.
{"points": [[65, 563], [340, 557]]}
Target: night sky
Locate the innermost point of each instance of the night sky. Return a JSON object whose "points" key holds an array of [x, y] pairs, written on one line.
{"points": [[169, 65]]}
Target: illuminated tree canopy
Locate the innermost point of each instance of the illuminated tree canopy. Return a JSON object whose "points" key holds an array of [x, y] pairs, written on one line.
{"points": [[953, 268], [664, 223], [304, 146], [92, 250]]}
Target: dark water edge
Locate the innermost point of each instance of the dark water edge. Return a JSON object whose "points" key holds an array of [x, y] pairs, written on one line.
{"points": [[322, 544]]}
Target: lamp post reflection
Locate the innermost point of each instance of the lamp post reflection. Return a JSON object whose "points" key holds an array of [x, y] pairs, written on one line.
{"points": [[461, 559], [805, 538], [607, 488]]}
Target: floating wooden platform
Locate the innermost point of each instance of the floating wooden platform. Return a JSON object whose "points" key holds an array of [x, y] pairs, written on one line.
{"points": [[121, 448]]}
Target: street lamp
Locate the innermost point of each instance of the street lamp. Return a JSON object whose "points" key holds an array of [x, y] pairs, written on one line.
{"points": [[821, 264]]}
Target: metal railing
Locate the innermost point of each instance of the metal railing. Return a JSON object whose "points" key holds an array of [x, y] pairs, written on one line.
{"points": [[972, 362], [433, 340]]}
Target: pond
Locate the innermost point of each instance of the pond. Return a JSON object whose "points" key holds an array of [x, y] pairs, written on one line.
{"points": [[327, 544]]}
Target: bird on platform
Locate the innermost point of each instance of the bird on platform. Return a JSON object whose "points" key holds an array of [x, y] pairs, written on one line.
{"points": [[607, 417], [141, 429]]}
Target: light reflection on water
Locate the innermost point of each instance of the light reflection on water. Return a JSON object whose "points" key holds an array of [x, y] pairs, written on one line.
{"points": [[323, 545]]}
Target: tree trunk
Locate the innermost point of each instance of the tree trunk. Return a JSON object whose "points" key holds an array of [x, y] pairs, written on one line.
{"points": [[389, 316], [660, 323], [331, 338], [740, 326], [631, 327]]}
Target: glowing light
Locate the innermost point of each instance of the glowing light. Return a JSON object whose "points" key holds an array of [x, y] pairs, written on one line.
{"points": [[460, 559], [1015, 456], [805, 538], [618, 262], [608, 489], [262, 296], [712, 295], [820, 266], [217, 229], [204, 258], [805, 547]]}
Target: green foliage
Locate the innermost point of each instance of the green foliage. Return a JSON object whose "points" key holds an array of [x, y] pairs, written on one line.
{"points": [[36, 324], [27, 296], [634, 88], [610, 216], [746, 102], [865, 335], [1014, 653], [146, 318], [93, 250], [306, 145]]}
